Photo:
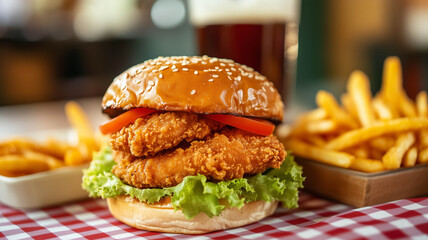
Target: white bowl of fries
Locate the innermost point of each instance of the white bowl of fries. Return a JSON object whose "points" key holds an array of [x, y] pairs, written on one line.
{"points": [[43, 189], [379, 133], [45, 168]]}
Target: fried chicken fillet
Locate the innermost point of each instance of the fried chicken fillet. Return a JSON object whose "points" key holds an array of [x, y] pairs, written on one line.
{"points": [[161, 149], [160, 131]]}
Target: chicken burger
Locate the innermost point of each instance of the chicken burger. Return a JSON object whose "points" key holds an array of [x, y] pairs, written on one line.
{"points": [[191, 147]]}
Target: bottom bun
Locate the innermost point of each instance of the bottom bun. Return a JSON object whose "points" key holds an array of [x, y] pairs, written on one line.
{"points": [[163, 218]]}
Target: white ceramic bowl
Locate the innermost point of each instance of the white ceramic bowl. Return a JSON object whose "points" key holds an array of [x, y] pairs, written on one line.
{"points": [[45, 188]]}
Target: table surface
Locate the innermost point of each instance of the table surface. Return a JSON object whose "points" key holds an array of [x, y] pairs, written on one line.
{"points": [[21, 119], [315, 218]]}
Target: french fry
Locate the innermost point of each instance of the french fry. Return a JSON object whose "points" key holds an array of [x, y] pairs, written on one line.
{"points": [[392, 87], [362, 152], [20, 144], [340, 159], [19, 163], [359, 90], [321, 126], [367, 165], [393, 158], [315, 140], [73, 157], [376, 154], [50, 161], [313, 115], [358, 136], [391, 79], [56, 147], [382, 110], [422, 104], [410, 157], [15, 146], [423, 156], [326, 101], [423, 138], [349, 106], [382, 143], [78, 120], [13, 174]]}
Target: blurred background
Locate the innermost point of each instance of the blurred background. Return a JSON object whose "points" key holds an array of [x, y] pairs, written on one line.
{"points": [[65, 49]]}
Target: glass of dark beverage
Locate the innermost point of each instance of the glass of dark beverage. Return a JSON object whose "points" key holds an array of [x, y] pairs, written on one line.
{"points": [[261, 34]]}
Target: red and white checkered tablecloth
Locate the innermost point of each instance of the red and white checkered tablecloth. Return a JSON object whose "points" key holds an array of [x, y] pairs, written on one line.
{"points": [[314, 219]]}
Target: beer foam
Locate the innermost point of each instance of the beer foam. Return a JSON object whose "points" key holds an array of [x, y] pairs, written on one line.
{"points": [[208, 12]]}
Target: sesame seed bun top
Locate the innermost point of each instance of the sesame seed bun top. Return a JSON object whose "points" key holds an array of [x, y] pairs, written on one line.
{"points": [[197, 85]]}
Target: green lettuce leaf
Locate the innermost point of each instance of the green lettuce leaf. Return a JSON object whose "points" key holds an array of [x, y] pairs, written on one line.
{"points": [[195, 194]]}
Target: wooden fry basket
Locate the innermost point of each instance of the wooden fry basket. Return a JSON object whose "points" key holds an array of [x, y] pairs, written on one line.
{"points": [[361, 189]]}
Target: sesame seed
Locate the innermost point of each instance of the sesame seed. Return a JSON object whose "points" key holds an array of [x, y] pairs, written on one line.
{"points": [[215, 76], [216, 67], [185, 69], [239, 78], [173, 67], [210, 80], [203, 62], [222, 64], [161, 75], [163, 68], [151, 83], [233, 69], [196, 72], [227, 69], [229, 73], [229, 77], [231, 64], [193, 91], [175, 70]]}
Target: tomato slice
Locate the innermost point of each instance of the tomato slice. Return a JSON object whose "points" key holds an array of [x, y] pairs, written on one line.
{"points": [[124, 119], [257, 126]]}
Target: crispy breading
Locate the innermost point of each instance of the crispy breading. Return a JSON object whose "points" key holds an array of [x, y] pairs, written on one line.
{"points": [[229, 154], [159, 131]]}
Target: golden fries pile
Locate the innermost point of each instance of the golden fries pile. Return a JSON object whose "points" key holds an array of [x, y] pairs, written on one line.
{"points": [[364, 133], [22, 156]]}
